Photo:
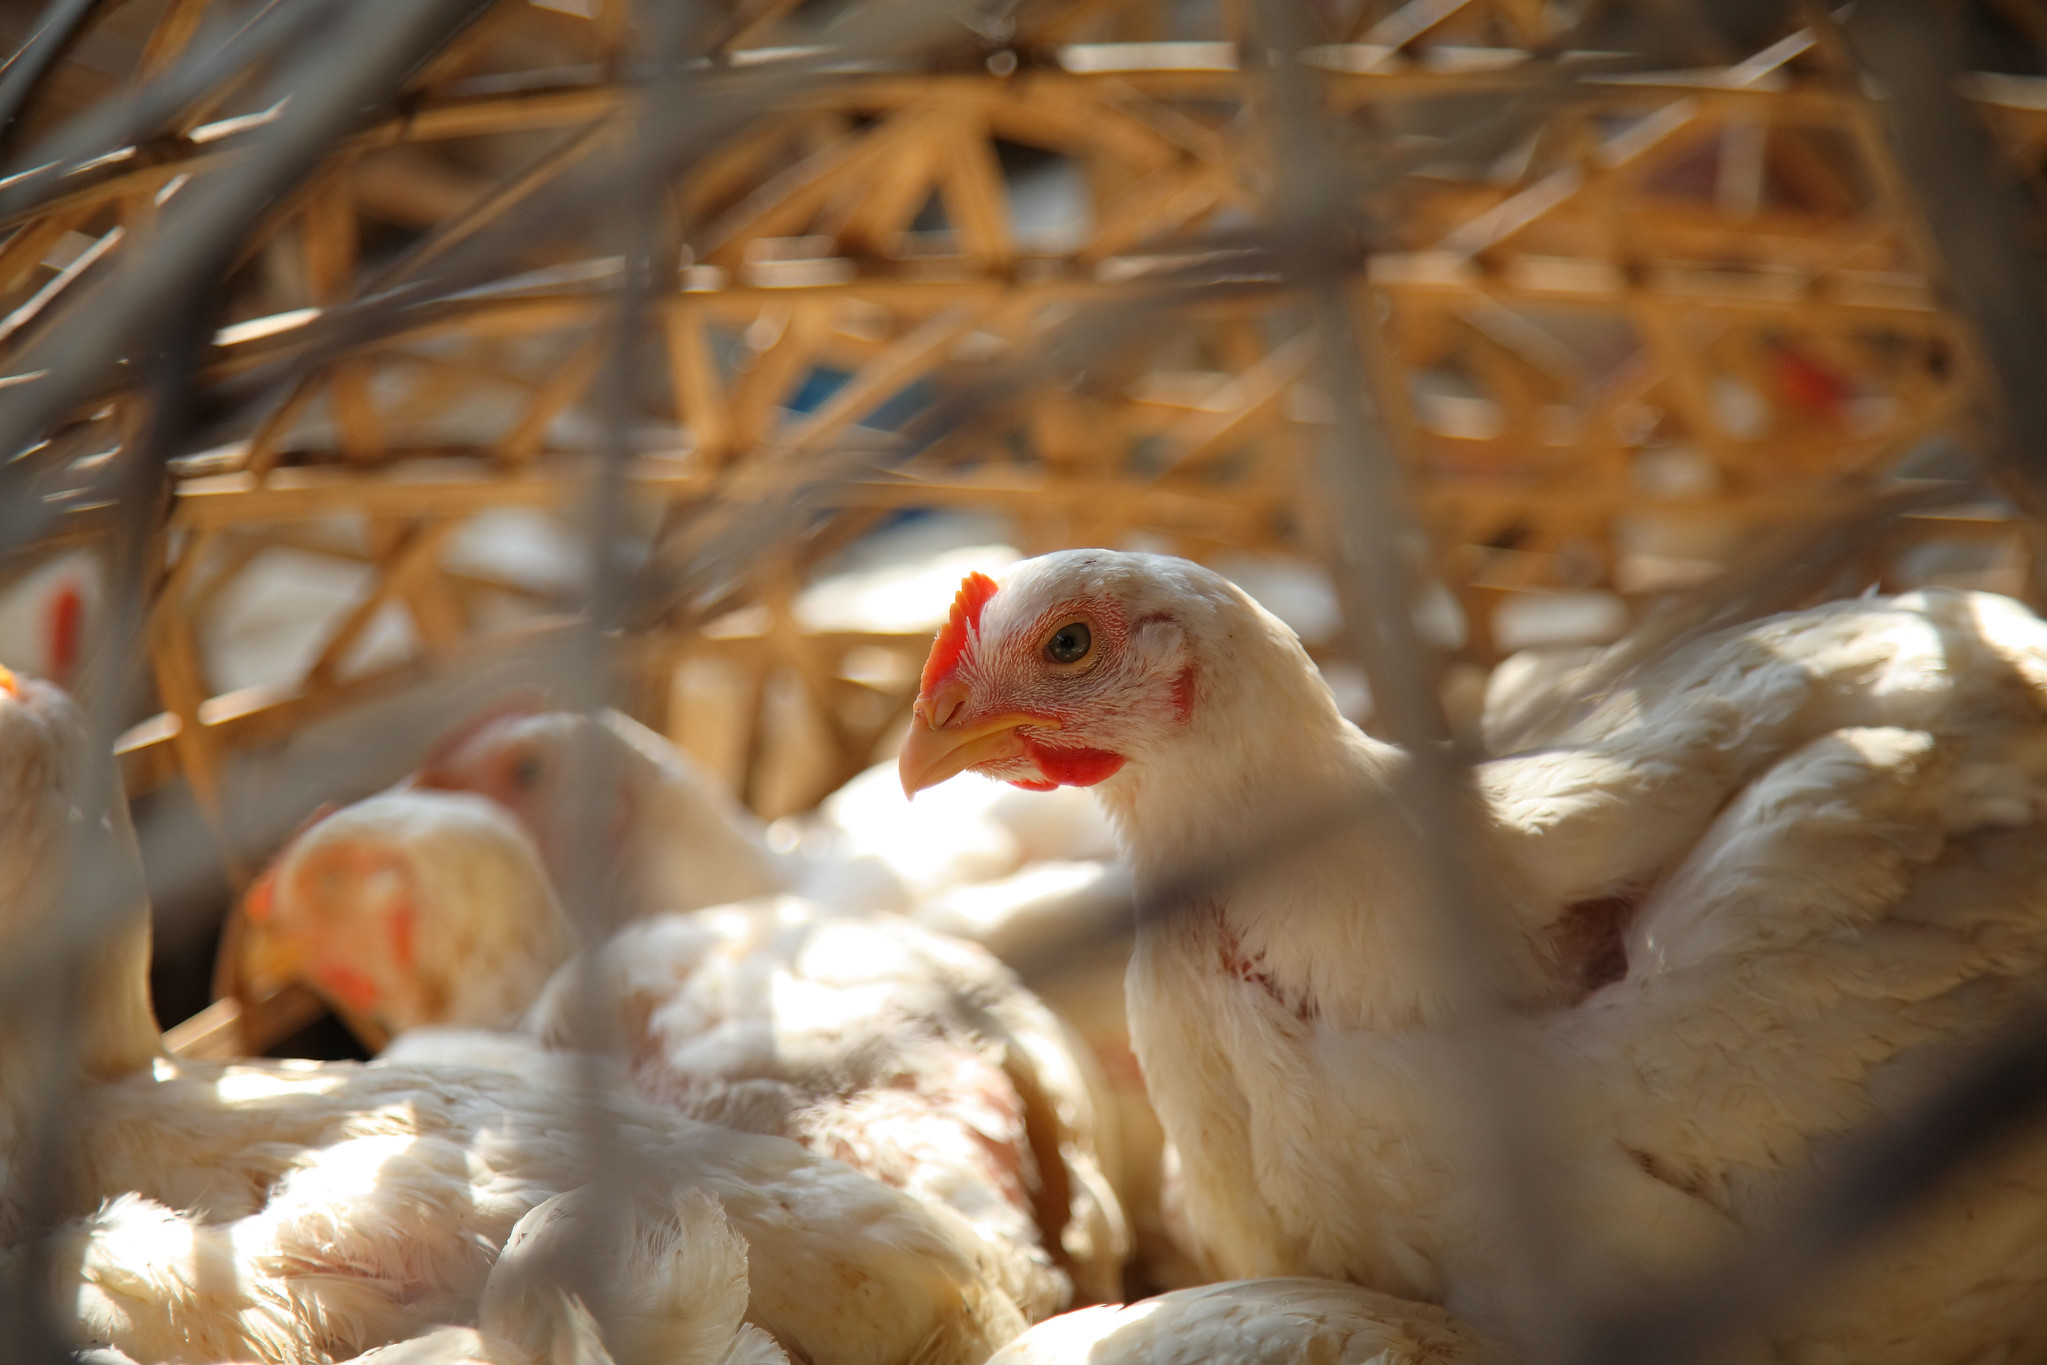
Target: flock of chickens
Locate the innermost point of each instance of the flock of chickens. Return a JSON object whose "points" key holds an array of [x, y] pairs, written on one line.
{"points": [[663, 1089]]}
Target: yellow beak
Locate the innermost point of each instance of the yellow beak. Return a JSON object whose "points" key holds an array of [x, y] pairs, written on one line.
{"points": [[931, 754]]}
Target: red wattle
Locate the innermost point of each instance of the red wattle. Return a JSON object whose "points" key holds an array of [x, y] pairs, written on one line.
{"points": [[1072, 767], [351, 987], [1031, 784]]}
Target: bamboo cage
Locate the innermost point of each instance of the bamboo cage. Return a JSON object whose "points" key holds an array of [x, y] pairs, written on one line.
{"points": [[1616, 339], [593, 348]]}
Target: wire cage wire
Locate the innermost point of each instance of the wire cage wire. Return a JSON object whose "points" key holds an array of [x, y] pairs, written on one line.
{"points": [[1471, 302]]}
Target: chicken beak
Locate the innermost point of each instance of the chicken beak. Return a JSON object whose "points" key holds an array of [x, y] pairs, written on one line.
{"points": [[270, 960], [931, 754]]}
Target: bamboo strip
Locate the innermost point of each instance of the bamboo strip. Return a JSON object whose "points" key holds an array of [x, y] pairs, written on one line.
{"points": [[410, 557]]}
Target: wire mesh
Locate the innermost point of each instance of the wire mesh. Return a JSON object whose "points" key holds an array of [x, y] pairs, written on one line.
{"points": [[144, 418]]}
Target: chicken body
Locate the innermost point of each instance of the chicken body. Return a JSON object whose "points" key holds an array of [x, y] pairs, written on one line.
{"points": [[913, 1057], [1250, 1322], [1706, 993], [1067, 929], [284, 1213], [980, 833], [303, 1212]]}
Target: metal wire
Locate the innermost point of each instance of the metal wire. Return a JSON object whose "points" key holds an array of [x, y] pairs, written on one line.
{"points": [[156, 309]]}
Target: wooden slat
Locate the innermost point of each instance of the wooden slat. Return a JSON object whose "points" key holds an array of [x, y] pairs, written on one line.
{"points": [[974, 196], [313, 494], [410, 558], [1796, 238], [699, 392], [556, 395]]}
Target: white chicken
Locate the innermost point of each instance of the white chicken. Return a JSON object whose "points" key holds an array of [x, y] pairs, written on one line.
{"points": [[969, 864], [301, 1212], [1066, 928], [910, 1056], [408, 909], [681, 844], [678, 843], [915, 1058], [1251, 1322], [1705, 998], [981, 832]]}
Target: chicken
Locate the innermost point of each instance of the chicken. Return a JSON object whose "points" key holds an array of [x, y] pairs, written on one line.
{"points": [[912, 1057], [670, 1279], [980, 833], [694, 1309], [678, 842], [415, 908], [358, 906], [1250, 1322], [1066, 928], [1706, 998], [303, 1211], [915, 1058], [683, 845]]}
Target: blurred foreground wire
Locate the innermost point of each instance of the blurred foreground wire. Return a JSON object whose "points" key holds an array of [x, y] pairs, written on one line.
{"points": [[144, 325]]}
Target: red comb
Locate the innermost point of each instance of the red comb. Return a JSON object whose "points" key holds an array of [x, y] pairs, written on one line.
{"points": [[975, 590]]}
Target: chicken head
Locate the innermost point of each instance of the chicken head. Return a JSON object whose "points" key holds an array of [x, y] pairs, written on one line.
{"points": [[409, 908], [523, 758], [1078, 663]]}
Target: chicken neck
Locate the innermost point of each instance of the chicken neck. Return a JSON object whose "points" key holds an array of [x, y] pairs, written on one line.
{"points": [[1277, 828]]}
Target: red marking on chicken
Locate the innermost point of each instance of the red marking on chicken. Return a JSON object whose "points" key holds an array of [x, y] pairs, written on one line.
{"points": [[351, 987], [1183, 694], [1591, 941], [1250, 970]]}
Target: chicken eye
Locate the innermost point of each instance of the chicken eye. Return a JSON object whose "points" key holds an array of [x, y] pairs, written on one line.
{"points": [[527, 771], [1070, 643]]}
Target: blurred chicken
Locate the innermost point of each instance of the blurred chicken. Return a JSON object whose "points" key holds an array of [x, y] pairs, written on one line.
{"points": [[680, 844], [686, 845], [966, 863], [1066, 928], [583, 1248], [674, 842], [915, 1058], [358, 907], [1250, 1322], [1704, 994], [979, 832], [866, 846], [300, 1212]]}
